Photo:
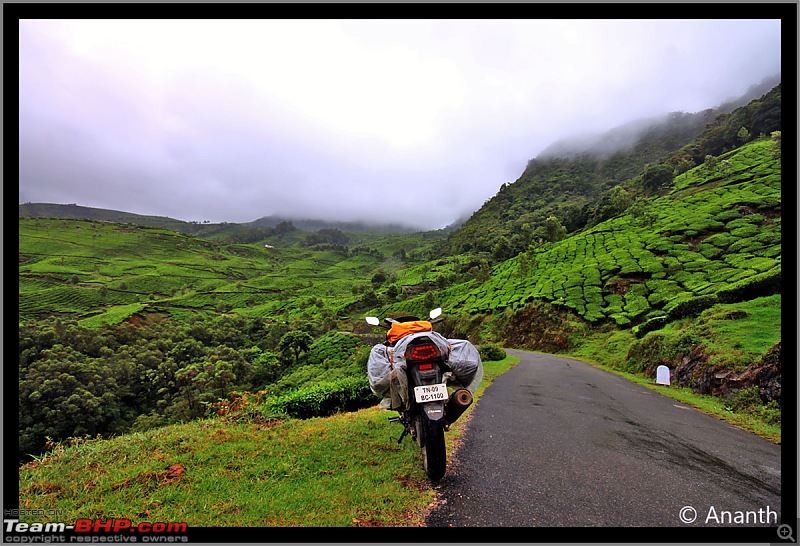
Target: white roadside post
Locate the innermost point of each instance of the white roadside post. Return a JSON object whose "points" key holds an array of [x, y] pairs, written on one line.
{"points": [[662, 375]]}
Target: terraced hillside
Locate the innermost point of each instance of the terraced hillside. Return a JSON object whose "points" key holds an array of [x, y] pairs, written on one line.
{"points": [[715, 237]]}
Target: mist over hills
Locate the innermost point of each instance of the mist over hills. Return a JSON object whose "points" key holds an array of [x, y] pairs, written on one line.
{"points": [[682, 125], [312, 224], [573, 184], [74, 211], [613, 156]]}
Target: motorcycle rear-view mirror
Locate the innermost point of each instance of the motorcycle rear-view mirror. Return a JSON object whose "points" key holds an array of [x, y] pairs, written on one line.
{"points": [[436, 313], [374, 321]]}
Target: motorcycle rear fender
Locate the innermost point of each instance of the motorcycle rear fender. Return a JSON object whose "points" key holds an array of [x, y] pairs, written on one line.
{"points": [[434, 410]]}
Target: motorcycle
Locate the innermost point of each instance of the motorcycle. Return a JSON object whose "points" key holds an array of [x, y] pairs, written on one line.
{"points": [[422, 375]]}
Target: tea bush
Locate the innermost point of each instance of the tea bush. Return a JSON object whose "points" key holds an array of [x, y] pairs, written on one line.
{"points": [[491, 352], [323, 399]]}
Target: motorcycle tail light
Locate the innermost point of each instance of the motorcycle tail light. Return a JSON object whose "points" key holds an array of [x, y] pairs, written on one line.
{"points": [[422, 352]]}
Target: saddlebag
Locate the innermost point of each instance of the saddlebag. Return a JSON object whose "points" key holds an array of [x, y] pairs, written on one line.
{"points": [[465, 363]]}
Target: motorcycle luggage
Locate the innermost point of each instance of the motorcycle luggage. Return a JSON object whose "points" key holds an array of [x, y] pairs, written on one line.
{"points": [[386, 369], [401, 329], [384, 379], [465, 363]]}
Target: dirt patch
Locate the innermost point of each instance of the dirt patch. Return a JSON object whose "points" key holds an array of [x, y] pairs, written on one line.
{"points": [[620, 285], [539, 327]]}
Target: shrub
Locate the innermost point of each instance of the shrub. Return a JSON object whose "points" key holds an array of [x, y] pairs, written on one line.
{"points": [[763, 284], [657, 348], [491, 352], [655, 323], [621, 320], [720, 240], [748, 401], [323, 399], [635, 305], [683, 306]]}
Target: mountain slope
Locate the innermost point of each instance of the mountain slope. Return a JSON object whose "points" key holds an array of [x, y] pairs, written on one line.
{"points": [[715, 237], [569, 180]]}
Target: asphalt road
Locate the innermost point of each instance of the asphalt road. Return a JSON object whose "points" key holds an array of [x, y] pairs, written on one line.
{"points": [[555, 442]]}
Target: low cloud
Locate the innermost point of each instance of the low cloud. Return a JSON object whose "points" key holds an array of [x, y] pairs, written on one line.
{"points": [[396, 121]]}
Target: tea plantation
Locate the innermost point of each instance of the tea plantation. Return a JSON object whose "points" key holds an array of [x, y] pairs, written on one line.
{"points": [[715, 237]]}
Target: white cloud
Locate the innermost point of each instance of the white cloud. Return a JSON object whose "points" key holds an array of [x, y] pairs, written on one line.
{"points": [[234, 119]]}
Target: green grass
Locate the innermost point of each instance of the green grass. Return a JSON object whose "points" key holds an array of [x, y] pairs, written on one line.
{"points": [[738, 334], [86, 269], [346, 470], [333, 471], [113, 315], [706, 269]]}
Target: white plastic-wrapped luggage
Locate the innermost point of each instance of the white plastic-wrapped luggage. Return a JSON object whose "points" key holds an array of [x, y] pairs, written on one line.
{"points": [[465, 362], [385, 379]]}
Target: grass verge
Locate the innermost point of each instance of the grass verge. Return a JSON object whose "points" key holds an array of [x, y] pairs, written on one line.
{"points": [[346, 470]]}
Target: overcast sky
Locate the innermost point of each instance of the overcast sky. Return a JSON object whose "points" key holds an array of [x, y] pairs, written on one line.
{"points": [[400, 121]]}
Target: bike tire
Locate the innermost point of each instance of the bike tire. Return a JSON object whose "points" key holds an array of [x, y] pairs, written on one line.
{"points": [[432, 447]]}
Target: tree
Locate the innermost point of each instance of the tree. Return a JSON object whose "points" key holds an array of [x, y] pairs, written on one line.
{"points": [[657, 176], [554, 230], [265, 365], [295, 342], [726, 167], [640, 209], [369, 298], [613, 202], [429, 301], [502, 249], [619, 199], [378, 278], [743, 135], [775, 150], [682, 163], [65, 394]]}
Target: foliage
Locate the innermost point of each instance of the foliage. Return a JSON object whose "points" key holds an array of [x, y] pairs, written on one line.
{"points": [[294, 343], [491, 352], [302, 473], [76, 381], [314, 472], [322, 399], [707, 241], [572, 185], [747, 400], [656, 177], [776, 144], [664, 347]]}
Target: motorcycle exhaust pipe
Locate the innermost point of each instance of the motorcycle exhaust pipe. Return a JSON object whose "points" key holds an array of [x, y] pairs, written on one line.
{"points": [[458, 403]]}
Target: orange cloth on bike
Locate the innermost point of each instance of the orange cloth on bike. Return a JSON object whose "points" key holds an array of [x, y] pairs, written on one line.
{"points": [[402, 329]]}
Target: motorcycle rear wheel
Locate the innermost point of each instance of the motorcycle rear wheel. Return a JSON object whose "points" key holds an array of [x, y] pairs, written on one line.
{"points": [[430, 435]]}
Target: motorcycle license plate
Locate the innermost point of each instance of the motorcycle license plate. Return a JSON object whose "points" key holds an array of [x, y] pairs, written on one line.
{"points": [[430, 393]]}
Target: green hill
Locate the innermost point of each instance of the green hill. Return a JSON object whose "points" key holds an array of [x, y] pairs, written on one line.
{"points": [[579, 183], [716, 236]]}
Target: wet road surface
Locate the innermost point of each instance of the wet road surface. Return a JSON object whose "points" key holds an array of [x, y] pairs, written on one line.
{"points": [[555, 442]]}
